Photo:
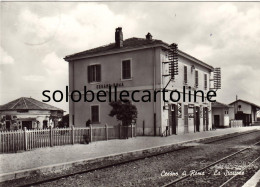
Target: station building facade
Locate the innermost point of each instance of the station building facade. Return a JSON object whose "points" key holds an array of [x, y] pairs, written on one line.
{"points": [[140, 64]]}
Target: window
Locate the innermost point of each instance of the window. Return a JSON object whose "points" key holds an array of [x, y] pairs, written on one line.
{"points": [[94, 73], [196, 79], [95, 113], [185, 75], [205, 81], [226, 111], [126, 69]]}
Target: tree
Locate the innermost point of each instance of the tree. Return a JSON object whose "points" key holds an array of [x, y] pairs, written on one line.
{"points": [[125, 112]]}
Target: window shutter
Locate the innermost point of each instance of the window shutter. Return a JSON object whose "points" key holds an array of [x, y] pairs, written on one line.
{"points": [[123, 70], [89, 74], [196, 78], [206, 82], [185, 74], [128, 65], [98, 69]]}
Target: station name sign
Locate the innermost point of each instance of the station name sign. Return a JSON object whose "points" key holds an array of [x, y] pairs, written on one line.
{"points": [[102, 86]]}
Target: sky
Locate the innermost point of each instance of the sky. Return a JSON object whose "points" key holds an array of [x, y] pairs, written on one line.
{"points": [[35, 37]]}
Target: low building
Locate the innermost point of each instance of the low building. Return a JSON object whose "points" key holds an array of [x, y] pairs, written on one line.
{"points": [[246, 111], [222, 114], [139, 65], [29, 113]]}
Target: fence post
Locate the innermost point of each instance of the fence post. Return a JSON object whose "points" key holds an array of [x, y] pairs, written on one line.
{"points": [[72, 135], [119, 130], [132, 134], [1, 150], [106, 128], [25, 139], [51, 144], [90, 133], [143, 127]]}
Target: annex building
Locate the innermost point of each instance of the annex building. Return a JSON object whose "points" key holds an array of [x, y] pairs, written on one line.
{"points": [[141, 64], [30, 113], [245, 111]]}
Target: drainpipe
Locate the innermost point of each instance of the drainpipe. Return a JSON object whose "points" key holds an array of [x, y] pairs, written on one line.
{"points": [[154, 88]]}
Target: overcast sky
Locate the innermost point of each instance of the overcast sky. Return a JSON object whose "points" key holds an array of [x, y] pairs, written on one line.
{"points": [[35, 37]]}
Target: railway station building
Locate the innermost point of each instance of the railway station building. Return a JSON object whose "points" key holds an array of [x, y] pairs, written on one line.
{"points": [[141, 64], [245, 111]]}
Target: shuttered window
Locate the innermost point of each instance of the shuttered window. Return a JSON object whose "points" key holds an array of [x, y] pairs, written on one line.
{"points": [[185, 75], [94, 73], [205, 81], [196, 78], [95, 113], [126, 69]]}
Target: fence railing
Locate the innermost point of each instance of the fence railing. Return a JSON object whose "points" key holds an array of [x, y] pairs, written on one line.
{"points": [[236, 123], [13, 141]]}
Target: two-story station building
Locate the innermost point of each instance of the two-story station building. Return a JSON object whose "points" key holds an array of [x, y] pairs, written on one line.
{"points": [[140, 64]]}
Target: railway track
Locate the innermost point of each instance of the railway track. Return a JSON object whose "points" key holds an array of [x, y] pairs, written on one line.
{"points": [[181, 179], [136, 159]]}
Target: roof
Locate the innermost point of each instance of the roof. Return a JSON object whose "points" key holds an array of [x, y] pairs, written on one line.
{"points": [[220, 105], [253, 104], [128, 44], [26, 103]]}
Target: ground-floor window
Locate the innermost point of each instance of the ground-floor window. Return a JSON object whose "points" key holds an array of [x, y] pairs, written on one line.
{"points": [[95, 113]]}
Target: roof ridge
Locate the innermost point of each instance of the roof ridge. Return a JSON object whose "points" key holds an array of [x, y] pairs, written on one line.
{"points": [[53, 107], [248, 102], [33, 102], [25, 102], [16, 103]]}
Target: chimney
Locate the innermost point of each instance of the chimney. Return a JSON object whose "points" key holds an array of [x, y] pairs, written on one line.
{"points": [[119, 37], [149, 36]]}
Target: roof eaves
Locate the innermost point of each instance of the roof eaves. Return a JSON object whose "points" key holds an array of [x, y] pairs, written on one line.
{"points": [[67, 58], [211, 68], [246, 102]]}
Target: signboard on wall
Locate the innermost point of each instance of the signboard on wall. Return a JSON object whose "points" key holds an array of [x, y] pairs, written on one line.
{"points": [[191, 105]]}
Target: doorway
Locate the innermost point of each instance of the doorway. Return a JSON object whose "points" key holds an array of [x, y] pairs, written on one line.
{"points": [[196, 119], [173, 118], [45, 124], [8, 125], [186, 122], [27, 124], [216, 121]]}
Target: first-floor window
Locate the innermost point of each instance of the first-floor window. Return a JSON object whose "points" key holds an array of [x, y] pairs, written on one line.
{"points": [[185, 75], [196, 79], [95, 113], [94, 73], [126, 69], [205, 81]]}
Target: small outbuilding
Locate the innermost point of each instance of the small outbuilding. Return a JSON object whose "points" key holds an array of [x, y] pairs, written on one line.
{"points": [[30, 113], [222, 114]]}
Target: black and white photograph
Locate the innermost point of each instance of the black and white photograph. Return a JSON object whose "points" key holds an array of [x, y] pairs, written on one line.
{"points": [[130, 93]]}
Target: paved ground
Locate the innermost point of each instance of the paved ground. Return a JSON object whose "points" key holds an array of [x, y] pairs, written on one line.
{"points": [[60, 154]]}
